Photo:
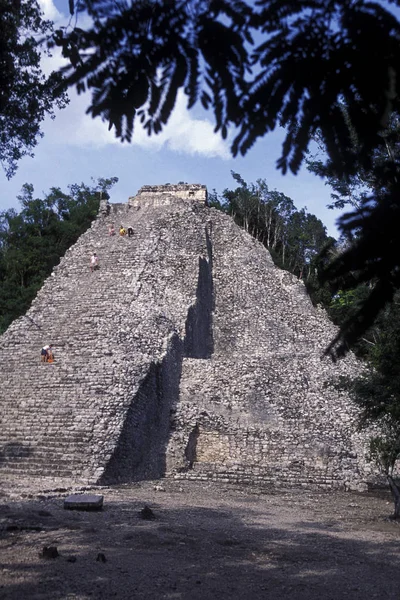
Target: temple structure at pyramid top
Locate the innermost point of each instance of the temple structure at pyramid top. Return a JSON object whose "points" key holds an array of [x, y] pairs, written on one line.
{"points": [[195, 192]]}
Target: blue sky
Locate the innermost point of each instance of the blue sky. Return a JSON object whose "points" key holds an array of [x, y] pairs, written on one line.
{"points": [[76, 148]]}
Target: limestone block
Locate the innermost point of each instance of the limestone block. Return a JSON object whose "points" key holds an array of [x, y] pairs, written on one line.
{"points": [[84, 502]]}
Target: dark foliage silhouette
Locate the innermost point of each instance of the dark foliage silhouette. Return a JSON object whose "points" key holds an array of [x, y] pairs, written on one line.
{"points": [[26, 94]]}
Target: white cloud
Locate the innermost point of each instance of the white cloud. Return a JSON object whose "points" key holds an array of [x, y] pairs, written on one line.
{"points": [[193, 136], [183, 133], [49, 10]]}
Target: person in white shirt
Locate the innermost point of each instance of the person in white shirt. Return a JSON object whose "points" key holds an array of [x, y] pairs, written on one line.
{"points": [[46, 353], [94, 262]]}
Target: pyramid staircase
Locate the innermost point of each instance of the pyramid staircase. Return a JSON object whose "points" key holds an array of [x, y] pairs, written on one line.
{"points": [[108, 328]]}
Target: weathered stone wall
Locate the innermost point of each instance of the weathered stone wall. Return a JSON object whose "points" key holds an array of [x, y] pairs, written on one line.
{"points": [[169, 194], [187, 354]]}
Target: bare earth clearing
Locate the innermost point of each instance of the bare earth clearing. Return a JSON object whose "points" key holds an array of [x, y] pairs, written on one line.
{"points": [[207, 541]]}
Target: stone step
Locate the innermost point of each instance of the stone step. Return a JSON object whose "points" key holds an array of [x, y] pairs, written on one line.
{"points": [[37, 469]]}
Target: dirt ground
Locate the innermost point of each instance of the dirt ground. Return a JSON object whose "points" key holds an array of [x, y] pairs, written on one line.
{"points": [[207, 541]]}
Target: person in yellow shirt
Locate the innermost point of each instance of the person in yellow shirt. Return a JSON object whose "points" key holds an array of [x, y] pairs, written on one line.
{"points": [[122, 230]]}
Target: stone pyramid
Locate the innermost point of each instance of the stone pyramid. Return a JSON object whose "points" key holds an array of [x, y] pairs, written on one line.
{"points": [[187, 354]]}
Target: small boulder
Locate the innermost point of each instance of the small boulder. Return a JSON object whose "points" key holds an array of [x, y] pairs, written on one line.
{"points": [[49, 552], [101, 557], [147, 514]]}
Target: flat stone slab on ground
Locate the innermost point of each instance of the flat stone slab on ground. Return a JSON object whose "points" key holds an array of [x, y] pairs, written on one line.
{"points": [[84, 502]]}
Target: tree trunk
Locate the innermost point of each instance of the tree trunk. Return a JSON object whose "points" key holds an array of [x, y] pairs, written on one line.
{"points": [[394, 488], [269, 229]]}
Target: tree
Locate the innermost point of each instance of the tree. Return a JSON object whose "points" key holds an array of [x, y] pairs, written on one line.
{"points": [[243, 205], [352, 190], [312, 58], [26, 94], [33, 240], [369, 260], [377, 393]]}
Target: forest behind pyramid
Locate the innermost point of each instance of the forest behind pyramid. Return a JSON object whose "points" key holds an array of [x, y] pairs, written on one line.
{"points": [[187, 354]]}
